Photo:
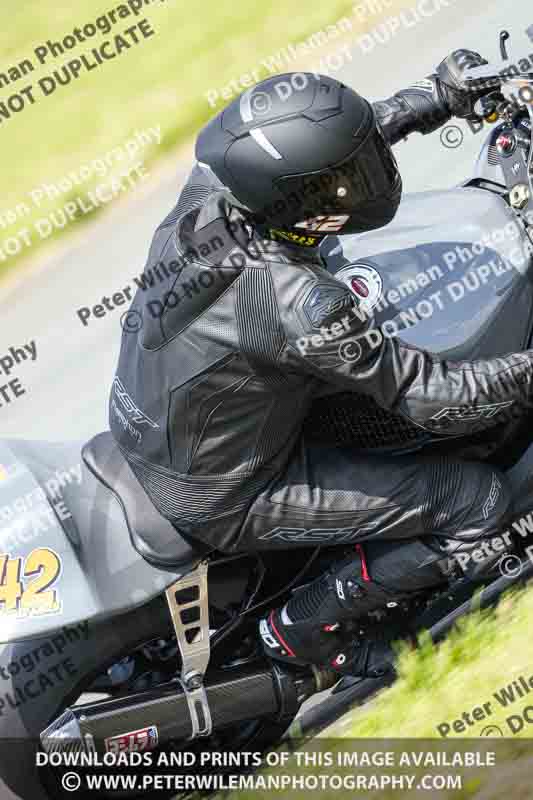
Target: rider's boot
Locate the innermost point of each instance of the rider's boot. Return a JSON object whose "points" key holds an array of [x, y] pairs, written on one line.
{"points": [[316, 625]]}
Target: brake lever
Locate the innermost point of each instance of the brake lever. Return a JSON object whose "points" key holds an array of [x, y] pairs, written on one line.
{"points": [[504, 36]]}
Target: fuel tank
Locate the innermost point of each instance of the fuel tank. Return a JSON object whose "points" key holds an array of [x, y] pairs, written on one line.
{"points": [[451, 274]]}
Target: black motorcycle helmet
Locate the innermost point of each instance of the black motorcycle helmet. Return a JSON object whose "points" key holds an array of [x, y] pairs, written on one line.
{"points": [[304, 155]]}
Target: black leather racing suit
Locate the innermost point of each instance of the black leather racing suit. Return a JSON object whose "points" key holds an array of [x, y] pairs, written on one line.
{"points": [[238, 336]]}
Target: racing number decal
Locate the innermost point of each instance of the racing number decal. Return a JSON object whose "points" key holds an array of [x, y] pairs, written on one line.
{"points": [[11, 589], [43, 567], [326, 224], [26, 584]]}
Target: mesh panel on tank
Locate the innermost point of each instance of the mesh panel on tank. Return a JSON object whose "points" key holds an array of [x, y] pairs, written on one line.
{"points": [[493, 156], [356, 420]]}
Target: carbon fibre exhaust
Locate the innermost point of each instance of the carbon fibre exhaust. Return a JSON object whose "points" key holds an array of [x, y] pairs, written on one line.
{"points": [[149, 719]]}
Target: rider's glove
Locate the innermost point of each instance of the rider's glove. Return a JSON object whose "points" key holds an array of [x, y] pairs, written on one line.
{"points": [[459, 94], [429, 103]]}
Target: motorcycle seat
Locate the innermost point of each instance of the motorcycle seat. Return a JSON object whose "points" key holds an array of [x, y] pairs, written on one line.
{"points": [[153, 536]]}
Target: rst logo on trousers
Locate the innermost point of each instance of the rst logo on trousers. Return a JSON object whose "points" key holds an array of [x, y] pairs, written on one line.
{"points": [[315, 534], [494, 493]]}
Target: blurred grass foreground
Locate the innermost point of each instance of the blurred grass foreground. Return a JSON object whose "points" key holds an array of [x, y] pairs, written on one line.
{"points": [[471, 694]]}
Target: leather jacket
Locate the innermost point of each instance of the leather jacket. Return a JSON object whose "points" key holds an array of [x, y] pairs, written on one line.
{"points": [[238, 336]]}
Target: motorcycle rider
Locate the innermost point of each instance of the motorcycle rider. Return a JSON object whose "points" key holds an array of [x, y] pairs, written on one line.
{"points": [[244, 327]]}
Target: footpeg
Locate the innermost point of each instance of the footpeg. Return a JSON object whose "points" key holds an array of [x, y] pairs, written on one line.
{"points": [[189, 608]]}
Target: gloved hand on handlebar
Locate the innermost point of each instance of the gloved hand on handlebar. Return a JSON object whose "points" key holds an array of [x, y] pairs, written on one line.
{"points": [[459, 94], [429, 103]]}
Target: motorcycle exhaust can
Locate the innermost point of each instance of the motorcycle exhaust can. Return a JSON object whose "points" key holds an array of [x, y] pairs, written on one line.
{"points": [[148, 719]]}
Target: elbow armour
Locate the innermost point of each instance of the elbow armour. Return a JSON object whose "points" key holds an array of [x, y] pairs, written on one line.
{"points": [[421, 108]]}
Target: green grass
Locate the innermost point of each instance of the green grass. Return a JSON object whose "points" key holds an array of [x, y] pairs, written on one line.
{"points": [[484, 653], [162, 81]]}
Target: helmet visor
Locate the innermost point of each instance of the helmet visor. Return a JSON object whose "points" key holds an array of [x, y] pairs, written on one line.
{"points": [[361, 193]]}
